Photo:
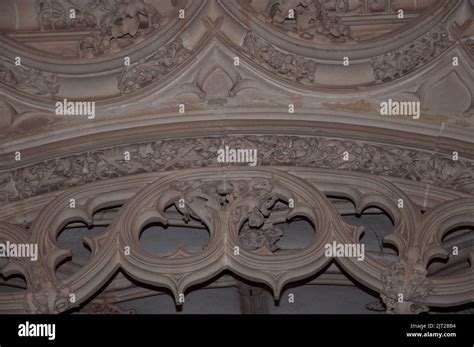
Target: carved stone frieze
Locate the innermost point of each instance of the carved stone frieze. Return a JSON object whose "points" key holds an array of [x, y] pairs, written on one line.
{"points": [[148, 70], [408, 58], [385, 160], [293, 67], [29, 80]]}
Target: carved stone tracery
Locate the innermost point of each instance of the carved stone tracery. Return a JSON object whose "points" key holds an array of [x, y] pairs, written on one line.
{"points": [[224, 200], [241, 207]]}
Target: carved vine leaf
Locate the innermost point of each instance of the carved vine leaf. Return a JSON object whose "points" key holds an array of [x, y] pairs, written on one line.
{"points": [[29, 80], [204, 197], [224, 192], [255, 235], [50, 299], [148, 70], [407, 278], [257, 231], [290, 66], [319, 152], [396, 64]]}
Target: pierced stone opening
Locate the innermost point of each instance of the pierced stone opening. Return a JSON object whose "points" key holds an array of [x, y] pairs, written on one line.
{"points": [[377, 225], [298, 233], [71, 238], [163, 241], [330, 291], [106, 215], [459, 242], [13, 283]]}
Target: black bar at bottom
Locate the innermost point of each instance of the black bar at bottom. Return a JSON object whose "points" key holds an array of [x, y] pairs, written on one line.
{"points": [[308, 330]]}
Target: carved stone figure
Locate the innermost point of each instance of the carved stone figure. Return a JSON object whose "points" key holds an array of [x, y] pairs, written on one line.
{"points": [[311, 20], [115, 26], [51, 14]]}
